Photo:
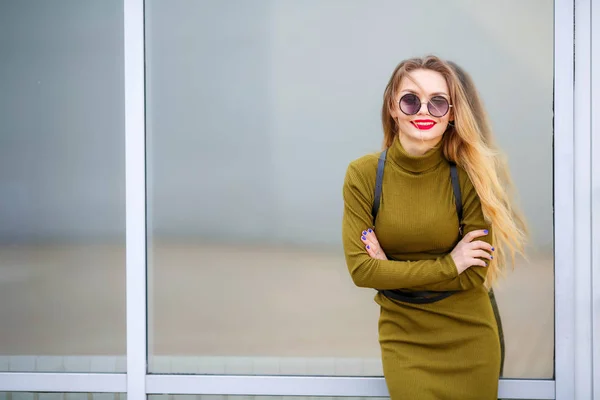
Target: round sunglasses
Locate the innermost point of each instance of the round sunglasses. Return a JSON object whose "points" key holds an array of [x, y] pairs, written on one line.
{"points": [[438, 106]]}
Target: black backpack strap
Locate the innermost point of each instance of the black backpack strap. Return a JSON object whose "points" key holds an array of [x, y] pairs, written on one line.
{"points": [[457, 195], [378, 184]]}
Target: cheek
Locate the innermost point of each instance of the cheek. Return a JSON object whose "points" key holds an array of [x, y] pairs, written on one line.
{"points": [[403, 118], [443, 122]]}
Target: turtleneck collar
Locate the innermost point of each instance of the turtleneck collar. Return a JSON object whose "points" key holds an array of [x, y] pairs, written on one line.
{"points": [[430, 159]]}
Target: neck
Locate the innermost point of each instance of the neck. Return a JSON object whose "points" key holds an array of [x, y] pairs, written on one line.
{"points": [[418, 147]]}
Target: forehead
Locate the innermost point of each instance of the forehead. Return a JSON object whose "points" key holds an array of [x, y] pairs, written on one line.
{"points": [[424, 81]]}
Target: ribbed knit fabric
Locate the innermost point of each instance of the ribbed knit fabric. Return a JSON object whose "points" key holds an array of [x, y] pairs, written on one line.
{"points": [[444, 350]]}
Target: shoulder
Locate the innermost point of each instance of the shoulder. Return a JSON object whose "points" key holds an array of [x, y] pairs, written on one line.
{"points": [[362, 172], [363, 167]]}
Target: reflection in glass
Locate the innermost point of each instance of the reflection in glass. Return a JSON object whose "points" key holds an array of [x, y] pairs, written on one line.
{"points": [[62, 266], [252, 118]]}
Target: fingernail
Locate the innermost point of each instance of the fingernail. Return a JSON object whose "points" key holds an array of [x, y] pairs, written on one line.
{"points": [[370, 230], [368, 247], [492, 257], [364, 232], [363, 238], [493, 249], [485, 231]]}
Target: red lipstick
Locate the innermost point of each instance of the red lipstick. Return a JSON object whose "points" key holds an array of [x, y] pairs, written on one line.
{"points": [[423, 124]]}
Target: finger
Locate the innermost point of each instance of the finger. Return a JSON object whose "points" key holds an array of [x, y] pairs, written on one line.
{"points": [[370, 251], [480, 263], [475, 234], [372, 237], [369, 235], [376, 252], [369, 242], [480, 244], [373, 248], [482, 254]]}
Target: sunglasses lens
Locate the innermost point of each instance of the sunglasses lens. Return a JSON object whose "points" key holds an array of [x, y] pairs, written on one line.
{"points": [[438, 106], [410, 104]]}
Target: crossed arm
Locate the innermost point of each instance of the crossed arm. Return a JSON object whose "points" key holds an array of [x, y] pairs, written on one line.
{"points": [[462, 269]]}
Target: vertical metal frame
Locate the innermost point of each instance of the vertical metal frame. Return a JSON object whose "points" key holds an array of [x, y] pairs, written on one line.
{"points": [[595, 192], [563, 198], [572, 201], [135, 164], [582, 203]]}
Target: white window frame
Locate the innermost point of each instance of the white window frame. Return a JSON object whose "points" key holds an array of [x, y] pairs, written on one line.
{"points": [[595, 193], [576, 197]]}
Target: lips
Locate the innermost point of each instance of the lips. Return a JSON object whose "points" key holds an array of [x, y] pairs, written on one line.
{"points": [[423, 124]]}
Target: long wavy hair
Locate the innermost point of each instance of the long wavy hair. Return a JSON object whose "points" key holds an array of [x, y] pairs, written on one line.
{"points": [[469, 143]]}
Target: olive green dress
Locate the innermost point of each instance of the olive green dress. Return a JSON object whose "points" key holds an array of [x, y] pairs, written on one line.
{"points": [[449, 349]]}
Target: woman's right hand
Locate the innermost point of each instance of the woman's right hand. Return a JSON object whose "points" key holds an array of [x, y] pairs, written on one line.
{"points": [[469, 252]]}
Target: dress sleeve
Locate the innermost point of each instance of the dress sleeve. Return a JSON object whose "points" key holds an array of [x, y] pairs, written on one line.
{"points": [[381, 274], [472, 220]]}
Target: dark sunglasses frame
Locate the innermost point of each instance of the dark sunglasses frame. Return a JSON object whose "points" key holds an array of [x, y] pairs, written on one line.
{"points": [[430, 106]]}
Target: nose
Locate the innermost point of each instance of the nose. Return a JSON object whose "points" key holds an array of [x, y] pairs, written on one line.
{"points": [[423, 110]]}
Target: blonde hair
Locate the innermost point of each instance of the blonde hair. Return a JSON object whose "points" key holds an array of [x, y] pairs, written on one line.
{"points": [[469, 143]]}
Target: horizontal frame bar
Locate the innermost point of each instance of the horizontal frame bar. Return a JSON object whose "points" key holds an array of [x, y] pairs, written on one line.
{"points": [[315, 386], [63, 382], [240, 385]]}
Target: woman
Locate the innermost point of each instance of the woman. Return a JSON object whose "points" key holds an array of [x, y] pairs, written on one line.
{"points": [[444, 224]]}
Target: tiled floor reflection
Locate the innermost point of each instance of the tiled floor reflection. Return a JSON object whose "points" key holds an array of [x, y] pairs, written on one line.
{"points": [[226, 309]]}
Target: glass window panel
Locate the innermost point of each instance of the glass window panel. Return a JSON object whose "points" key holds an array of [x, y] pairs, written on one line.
{"points": [[62, 182], [252, 118]]}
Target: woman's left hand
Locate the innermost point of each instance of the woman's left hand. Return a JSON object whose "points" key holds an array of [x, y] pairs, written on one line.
{"points": [[372, 245]]}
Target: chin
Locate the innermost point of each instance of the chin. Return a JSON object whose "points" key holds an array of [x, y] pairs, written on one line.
{"points": [[426, 135]]}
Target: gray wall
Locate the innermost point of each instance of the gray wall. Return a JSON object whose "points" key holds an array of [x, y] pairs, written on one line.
{"points": [[254, 109], [62, 165]]}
